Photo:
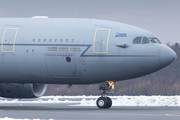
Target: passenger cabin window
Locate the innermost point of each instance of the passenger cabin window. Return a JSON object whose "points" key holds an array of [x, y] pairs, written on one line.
{"points": [[55, 40], [50, 40], [137, 40], [44, 40], [154, 40], [145, 40], [61, 40], [66, 40]]}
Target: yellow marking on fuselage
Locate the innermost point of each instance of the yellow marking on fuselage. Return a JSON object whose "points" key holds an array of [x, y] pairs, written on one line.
{"points": [[52, 49], [173, 114], [63, 50], [14, 39], [75, 50], [107, 40]]}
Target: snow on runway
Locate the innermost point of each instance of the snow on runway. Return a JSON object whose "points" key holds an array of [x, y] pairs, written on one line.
{"points": [[91, 100], [6, 118], [75, 101]]}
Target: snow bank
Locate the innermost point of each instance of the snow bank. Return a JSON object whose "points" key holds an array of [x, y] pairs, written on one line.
{"points": [[137, 101], [82, 96], [147, 101], [54, 100], [6, 118], [117, 100]]}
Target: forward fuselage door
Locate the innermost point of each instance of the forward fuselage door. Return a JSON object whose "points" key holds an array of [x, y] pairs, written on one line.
{"points": [[8, 40], [101, 40]]}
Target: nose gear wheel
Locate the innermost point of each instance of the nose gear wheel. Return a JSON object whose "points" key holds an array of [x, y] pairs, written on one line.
{"points": [[104, 101]]}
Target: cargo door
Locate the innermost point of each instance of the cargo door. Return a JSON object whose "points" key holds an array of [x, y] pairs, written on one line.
{"points": [[61, 64]]}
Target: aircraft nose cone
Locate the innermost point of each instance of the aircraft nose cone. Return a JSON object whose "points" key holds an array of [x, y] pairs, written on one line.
{"points": [[167, 55]]}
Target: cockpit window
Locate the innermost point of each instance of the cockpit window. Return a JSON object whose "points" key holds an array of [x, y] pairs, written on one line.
{"points": [[137, 40], [154, 40], [145, 40]]}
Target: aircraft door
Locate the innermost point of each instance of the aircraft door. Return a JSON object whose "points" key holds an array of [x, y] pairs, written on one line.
{"points": [[101, 40], [61, 67], [8, 40]]}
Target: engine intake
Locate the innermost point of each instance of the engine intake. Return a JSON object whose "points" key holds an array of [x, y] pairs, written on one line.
{"points": [[22, 90]]}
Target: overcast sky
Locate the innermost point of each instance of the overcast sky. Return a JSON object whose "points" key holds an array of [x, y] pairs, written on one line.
{"points": [[161, 17]]}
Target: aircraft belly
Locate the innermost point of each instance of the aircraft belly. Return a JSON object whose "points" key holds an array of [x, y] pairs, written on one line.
{"points": [[98, 69], [21, 72], [25, 65]]}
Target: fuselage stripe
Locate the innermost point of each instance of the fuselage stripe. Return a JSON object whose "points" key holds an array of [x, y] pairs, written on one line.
{"points": [[82, 55]]}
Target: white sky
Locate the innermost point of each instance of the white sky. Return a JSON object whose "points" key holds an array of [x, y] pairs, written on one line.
{"points": [[161, 17]]}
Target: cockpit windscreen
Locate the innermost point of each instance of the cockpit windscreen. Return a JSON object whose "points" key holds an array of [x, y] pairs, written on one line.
{"points": [[145, 40], [154, 40]]}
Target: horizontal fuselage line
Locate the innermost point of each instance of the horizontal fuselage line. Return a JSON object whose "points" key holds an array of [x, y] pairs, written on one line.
{"points": [[44, 44], [82, 55], [120, 55]]}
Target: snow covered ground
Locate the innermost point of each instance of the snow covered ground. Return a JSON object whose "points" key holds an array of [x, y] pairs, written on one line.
{"points": [[91, 100], [6, 118]]}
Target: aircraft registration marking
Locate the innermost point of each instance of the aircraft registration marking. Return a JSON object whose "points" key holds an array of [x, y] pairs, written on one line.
{"points": [[63, 49], [75, 49], [52, 48]]}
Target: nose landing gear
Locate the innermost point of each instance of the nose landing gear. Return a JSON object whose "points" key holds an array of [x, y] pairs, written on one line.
{"points": [[104, 101]]}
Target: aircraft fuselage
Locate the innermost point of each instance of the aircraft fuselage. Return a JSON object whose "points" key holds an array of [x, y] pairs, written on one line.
{"points": [[76, 51]]}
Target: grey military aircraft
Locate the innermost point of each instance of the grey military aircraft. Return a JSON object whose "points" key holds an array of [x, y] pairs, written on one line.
{"points": [[38, 51]]}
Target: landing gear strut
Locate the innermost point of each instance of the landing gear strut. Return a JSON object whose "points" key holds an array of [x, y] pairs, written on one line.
{"points": [[104, 101]]}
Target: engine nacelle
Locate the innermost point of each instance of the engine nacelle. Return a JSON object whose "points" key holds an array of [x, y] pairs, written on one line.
{"points": [[22, 90]]}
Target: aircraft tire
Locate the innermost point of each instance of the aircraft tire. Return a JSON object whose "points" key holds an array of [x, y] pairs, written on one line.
{"points": [[109, 102], [101, 102]]}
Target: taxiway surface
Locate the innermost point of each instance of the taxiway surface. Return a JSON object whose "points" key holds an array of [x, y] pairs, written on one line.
{"points": [[59, 111]]}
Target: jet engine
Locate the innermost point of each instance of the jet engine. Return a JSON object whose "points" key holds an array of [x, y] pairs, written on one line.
{"points": [[22, 90]]}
